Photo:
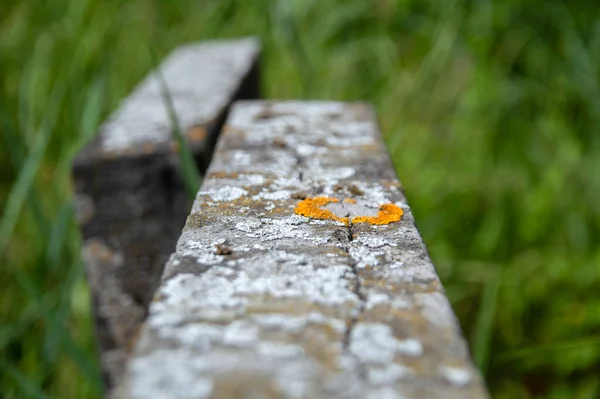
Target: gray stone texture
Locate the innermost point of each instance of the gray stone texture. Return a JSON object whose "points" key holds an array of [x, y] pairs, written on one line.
{"points": [[260, 302]]}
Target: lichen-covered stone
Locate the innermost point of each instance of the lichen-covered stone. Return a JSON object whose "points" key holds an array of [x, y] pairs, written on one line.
{"points": [[295, 306], [131, 201], [201, 78]]}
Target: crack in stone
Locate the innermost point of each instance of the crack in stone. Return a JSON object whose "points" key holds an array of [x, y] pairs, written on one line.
{"points": [[300, 163], [356, 289]]}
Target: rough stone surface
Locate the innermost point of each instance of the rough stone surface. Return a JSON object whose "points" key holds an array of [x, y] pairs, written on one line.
{"points": [[259, 302], [131, 200], [201, 79]]}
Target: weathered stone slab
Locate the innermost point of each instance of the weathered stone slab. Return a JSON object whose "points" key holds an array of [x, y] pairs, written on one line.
{"points": [[128, 187], [261, 302]]}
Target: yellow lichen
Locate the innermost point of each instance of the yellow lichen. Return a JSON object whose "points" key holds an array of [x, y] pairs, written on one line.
{"points": [[387, 214], [311, 207]]}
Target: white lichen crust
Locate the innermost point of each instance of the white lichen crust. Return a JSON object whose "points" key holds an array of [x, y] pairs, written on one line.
{"points": [[259, 302]]}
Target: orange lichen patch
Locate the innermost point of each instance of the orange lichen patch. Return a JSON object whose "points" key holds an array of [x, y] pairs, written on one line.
{"points": [[222, 175], [174, 146], [233, 132], [311, 207], [387, 214], [196, 133], [148, 148]]}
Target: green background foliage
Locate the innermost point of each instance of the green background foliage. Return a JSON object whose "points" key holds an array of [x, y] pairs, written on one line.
{"points": [[490, 109]]}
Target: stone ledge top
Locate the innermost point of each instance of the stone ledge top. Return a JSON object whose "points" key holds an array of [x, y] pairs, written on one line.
{"points": [[265, 300], [202, 80]]}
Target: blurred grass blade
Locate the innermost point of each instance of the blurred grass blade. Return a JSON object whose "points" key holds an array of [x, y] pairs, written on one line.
{"points": [[26, 177], [55, 320], [25, 383], [58, 234], [13, 142], [32, 85], [92, 111], [189, 170], [9, 332], [288, 26], [512, 355], [485, 322], [87, 364], [93, 107]]}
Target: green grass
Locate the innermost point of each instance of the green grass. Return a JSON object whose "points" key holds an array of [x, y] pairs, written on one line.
{"points": [[491, 111]]}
